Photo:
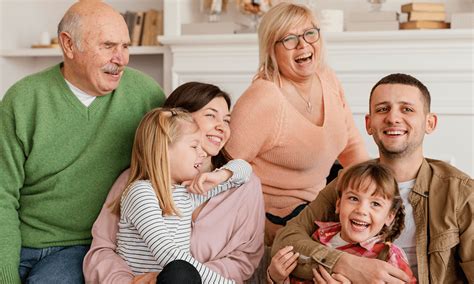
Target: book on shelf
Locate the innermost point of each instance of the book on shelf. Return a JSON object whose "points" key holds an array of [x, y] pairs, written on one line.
{"points": [[426, 16], [416, 25], [152, 27], [137, 29], [423, 7], [130, 18], [372, 26], [374, 16]]}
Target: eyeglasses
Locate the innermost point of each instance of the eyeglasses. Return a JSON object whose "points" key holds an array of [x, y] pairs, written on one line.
{"points": [[291, 41]]}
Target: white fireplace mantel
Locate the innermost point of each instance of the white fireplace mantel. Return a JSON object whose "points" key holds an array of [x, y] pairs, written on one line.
{"points": [[442, 59]]}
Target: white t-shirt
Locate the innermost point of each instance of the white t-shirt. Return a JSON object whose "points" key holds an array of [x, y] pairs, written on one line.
{"points": [[407, 239], [83, 97]]}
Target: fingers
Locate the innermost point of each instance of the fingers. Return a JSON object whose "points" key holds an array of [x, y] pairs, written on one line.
{"points": [[283, 251], [340, 278], [286, 257], [317, 277], [200, 183], [196, 185], [394, 280], [290, 263], [396, 275], [283, 263], [322, 276]]}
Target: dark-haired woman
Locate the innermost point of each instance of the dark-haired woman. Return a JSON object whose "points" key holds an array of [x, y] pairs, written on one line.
{"points": [[227, 233]]}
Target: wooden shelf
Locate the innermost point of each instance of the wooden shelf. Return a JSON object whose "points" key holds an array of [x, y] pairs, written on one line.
{"points": [[53, 52], [330, 37]]}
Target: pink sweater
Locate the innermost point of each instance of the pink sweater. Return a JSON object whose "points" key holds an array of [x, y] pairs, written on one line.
{"points": [[227, 236], [291, 155]]}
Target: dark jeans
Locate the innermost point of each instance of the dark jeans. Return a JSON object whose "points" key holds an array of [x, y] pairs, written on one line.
{"points": [[52, 264], [179, 271]]}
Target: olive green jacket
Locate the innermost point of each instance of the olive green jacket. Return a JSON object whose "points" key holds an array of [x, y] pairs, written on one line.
{"points": [[443, 207]]}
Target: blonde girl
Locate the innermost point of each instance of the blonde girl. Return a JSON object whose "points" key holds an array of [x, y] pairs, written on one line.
{"points": [[156, 207]]}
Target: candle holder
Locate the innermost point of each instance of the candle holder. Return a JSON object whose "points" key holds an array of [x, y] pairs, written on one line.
{"points": [[375, 5], [253, 9], [213, 9]]}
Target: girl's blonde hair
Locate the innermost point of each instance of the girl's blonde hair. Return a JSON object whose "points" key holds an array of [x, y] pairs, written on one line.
{"points": [[360, 176], [274, 26], [158, 129]]}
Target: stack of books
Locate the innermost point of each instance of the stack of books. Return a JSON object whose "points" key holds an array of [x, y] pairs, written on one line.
{"points": [[424, 16], [144, 27], [372, 21]]}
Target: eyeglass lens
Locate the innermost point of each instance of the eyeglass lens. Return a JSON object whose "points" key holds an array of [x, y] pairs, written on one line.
{"points": [[310, 36]]}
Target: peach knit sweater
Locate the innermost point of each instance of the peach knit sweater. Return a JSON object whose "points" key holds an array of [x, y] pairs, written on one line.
{"points": [[291, 155]]}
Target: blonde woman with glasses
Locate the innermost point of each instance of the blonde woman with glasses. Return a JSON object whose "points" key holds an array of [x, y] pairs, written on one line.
{"points": [[293, 122]]}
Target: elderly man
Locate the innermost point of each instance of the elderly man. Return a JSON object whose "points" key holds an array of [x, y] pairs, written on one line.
{"points": [[438, 199], [66, 134]]}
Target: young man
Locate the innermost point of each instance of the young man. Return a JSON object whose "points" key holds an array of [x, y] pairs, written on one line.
{"points": [[66, 134], [438, 199]]}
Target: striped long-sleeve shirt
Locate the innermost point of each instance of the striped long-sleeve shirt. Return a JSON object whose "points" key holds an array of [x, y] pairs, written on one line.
{"points": [[148, 241]]}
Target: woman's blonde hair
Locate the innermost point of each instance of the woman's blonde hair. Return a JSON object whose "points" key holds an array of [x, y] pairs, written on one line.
{"points": [[158, 129], [274, 26], [360, 176]]}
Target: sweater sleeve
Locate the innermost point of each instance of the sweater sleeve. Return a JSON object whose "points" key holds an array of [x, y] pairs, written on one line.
{"points": [[241, 171], [101, 263], [355, 150], [140, 206], [256, 121], [298, 231], [12, 176], [245, 244]]}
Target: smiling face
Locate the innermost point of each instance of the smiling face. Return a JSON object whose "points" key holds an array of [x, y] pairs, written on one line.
{"points": [[301, 62], [213, 120], [398, 120], [97, 66], [186, 154], [362, 213]]}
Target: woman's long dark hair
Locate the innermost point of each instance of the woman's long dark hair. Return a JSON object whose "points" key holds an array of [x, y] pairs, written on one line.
{"points": [[193, 96]]}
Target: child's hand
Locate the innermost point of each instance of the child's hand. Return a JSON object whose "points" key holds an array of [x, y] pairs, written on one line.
{"points": [[203, 182], [323, 277], [147, 278], [283, 263]]}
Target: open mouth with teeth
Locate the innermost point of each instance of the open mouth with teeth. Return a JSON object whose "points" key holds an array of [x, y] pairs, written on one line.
{"points": [[214, 139], [395, 132], [359, 225], [115, 72], [306, 57]]}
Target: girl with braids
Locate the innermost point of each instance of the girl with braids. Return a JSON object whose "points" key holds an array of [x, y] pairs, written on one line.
{"points": [[371, 217]]}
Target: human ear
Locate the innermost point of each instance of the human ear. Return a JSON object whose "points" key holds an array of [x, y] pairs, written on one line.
{"points": [[390, 218], [367, 124], [431, 122], [67, 44], [338, 204]]}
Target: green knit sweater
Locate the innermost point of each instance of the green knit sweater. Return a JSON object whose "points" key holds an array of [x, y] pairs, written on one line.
{"points": [[59, 158]]}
